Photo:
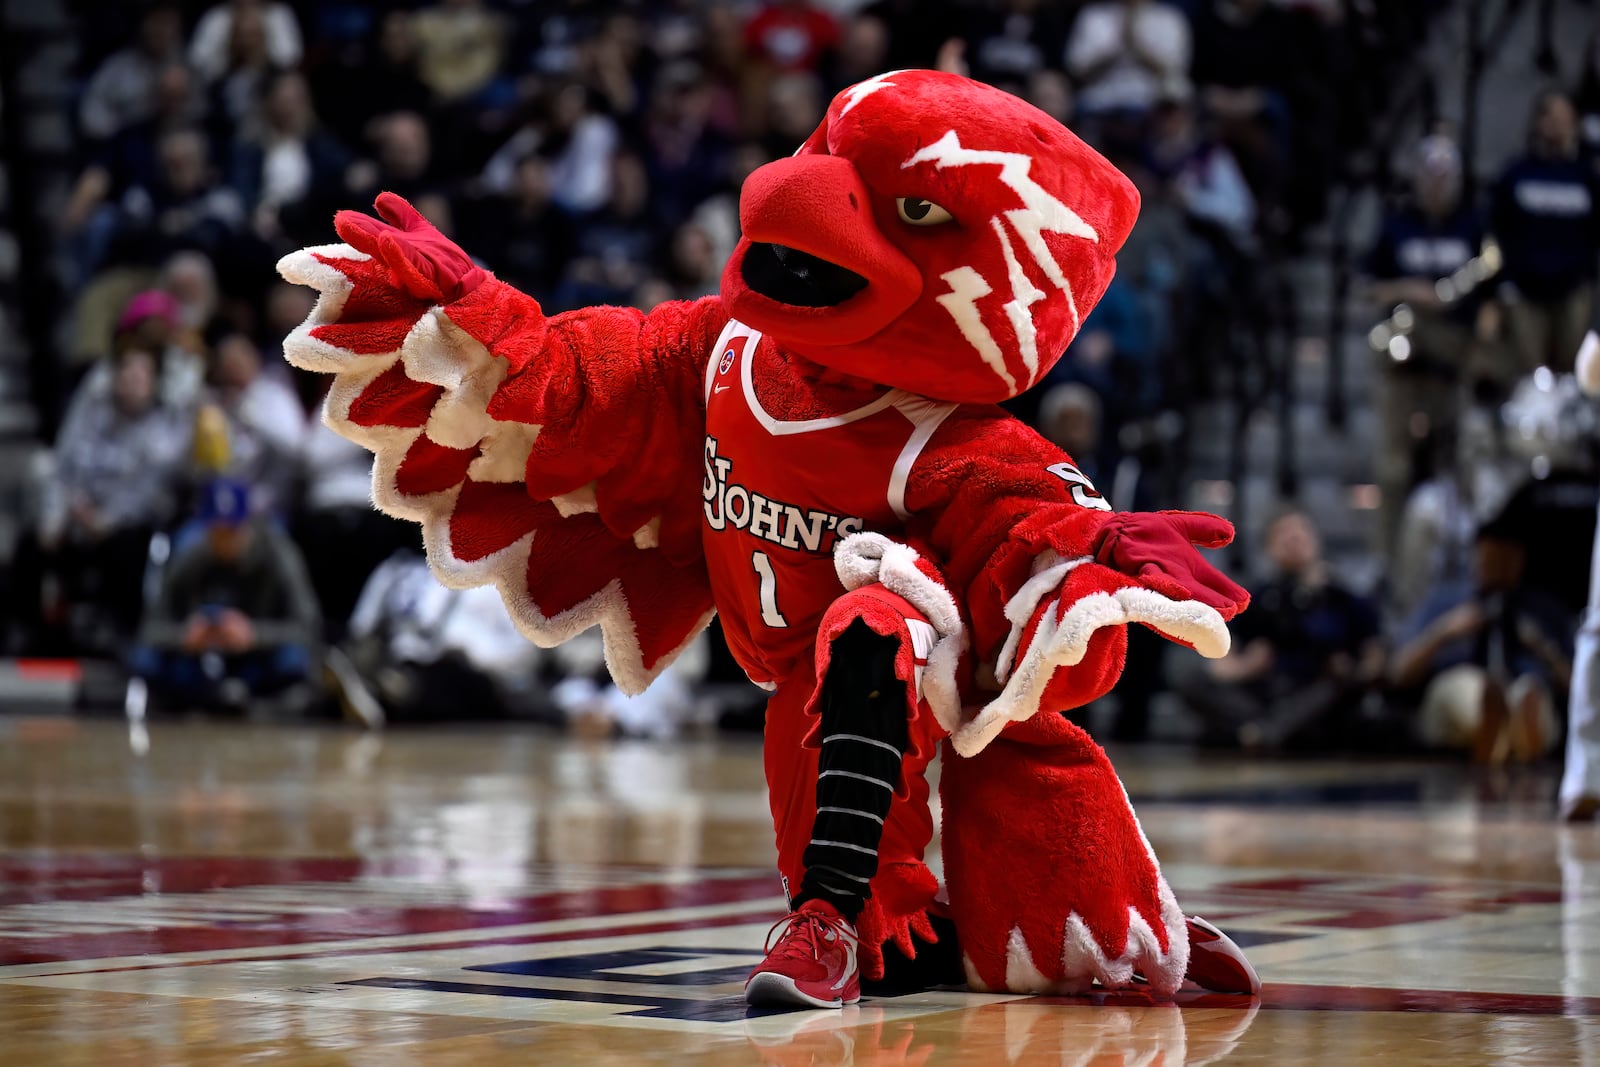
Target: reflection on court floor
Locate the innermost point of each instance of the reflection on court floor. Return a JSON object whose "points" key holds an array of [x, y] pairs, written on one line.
{"points": [[253, 895]]}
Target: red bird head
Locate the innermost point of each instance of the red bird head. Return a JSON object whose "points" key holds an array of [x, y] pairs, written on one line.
{"points": [[935, 234]]}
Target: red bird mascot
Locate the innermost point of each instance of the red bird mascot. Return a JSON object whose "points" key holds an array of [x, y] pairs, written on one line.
{"points": [[816, 454]]}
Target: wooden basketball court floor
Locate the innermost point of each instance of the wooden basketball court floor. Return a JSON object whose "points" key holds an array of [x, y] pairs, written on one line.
{"points": [[209, 893]]}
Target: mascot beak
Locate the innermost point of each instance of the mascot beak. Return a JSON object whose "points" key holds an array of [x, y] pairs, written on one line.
{"points": [[813, 266]]}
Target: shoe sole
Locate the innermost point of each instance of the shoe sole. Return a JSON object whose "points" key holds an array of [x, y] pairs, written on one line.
{"points": [[1582, 808], [769, 989]]}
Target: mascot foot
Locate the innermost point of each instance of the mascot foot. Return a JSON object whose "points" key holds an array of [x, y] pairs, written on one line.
{"points": [[1216, 963], [813, 965]]}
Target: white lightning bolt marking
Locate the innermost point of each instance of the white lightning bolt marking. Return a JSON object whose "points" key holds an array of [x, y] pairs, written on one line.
{"points": [[1040, 213], [967, 287], [861, 90]]}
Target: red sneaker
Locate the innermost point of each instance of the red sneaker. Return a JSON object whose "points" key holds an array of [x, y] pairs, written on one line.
{"points": [[1216, 963], [813, 965]]}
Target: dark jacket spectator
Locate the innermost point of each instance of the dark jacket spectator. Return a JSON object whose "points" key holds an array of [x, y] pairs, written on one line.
{"points": [[1546, 216], [381, 79], [523, 235], [1490, 658], [1547, 210], [1304, 656], [236, 617], [289, 172], [123, 90], [185, 207]]}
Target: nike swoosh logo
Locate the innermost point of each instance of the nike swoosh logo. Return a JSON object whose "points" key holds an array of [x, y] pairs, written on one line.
{"points": [[850, 964], [720, 388]]}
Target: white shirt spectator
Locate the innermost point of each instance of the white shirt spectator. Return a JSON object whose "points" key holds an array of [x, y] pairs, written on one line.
{"points": [[209, 48], [580, 174], [1127, 68], [423, 621], [121, 93], [338, 472], [1212, 188]]}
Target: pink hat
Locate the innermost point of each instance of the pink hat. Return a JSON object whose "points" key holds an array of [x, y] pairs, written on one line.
{"points": [[148, 305]]}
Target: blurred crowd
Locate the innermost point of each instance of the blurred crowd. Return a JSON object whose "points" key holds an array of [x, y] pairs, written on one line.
{"points": [[195, 509], [1485, 629]]}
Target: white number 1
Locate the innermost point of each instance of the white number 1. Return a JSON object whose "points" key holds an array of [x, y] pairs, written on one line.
{"points": [[769, 591]]}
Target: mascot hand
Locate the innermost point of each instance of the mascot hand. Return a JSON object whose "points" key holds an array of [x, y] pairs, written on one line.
{"points": [[1158, 548], [1069, 640], [897, 909], [424, 262], [1052, 885]]}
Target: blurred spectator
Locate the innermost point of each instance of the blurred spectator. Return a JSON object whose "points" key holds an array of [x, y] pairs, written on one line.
{"points": [[1069, 418], [1425, 240], [1051, 92], [381, 79], [463, 44], [863, 51], [127, 160], [149, 323], [417, 650], [1262, 70], [404, 163], [687, 154], [1116, 354], [117, 465], [287, 307], [236, 618], [265, 422], [1488, 657], [183, 207], [219, 45], [191, 281], [343, 536], [1305, 655], [674, 704], [1126, 55], [791, 35], [613, 249], [1011, 40], [250, 57], [1587, 99], [795, 105], [578, 142], [1437, 526], [288, 171], [1546, 216], [616, 62], [523, 235], [692, 267], [1204, 174], [124, 90], [917, 30]]}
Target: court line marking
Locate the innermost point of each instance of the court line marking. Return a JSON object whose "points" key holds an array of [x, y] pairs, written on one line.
{"points": [[460, 937]]}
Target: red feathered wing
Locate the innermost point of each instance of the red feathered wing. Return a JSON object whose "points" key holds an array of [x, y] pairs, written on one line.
{"points": [[556, 458]]}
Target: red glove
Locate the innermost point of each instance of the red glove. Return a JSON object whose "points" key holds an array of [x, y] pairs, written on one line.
{"points": [[424, 262], [1158, 548]]}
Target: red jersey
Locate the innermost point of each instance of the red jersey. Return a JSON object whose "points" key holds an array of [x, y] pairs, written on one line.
{"points": [[780, 494]]}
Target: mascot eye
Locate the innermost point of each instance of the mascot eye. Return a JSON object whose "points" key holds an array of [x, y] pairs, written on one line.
{"points": [[919, 212]]}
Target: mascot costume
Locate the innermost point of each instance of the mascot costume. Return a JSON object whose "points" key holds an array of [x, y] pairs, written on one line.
{"points": [[815, 454]]}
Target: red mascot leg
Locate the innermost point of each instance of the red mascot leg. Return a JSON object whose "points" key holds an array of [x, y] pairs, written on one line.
{"points": [[1052, 882], [903, 886]]}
